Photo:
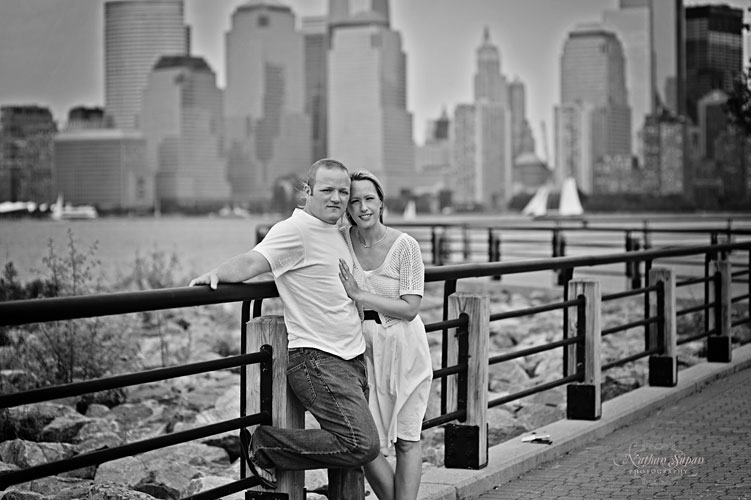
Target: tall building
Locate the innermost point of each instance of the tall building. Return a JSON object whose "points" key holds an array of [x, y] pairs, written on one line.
{"points": [[106, 168], [575, 135], [136, 34], [82, 117], [315, 32], [711, 121], [714, 51], [182, 123], [26, 135], [369, 124], [669, 56], [489, 83], [631, 23], [482, 134], [267, 128], [522, 139], [592, 73], [342, 10], [665, 154]]}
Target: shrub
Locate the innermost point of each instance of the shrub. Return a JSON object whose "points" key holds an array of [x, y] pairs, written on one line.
{"points": [[62, 352]]}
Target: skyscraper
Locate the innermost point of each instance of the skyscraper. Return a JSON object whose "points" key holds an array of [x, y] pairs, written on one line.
{"points": [[669, 57], [714, 51], [136, 34], [369, 125], [522, 139], [315, 32], [482, 136], [181, 120], [593, 72], [632, 25], [267, 128]]}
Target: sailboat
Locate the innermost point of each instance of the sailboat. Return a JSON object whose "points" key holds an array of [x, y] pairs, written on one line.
{"points": [[62, 211], [410, 211], [569, 203], [538, 205]]}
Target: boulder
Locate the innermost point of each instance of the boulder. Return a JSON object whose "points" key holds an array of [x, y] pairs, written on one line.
{"points": [[64, 429], [25, 454]]}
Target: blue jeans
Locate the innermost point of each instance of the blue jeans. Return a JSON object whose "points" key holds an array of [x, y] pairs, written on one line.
{"points": [[335, 392]]}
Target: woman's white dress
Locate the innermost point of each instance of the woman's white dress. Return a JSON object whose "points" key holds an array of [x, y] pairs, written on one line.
{"points": [[397, 352]]}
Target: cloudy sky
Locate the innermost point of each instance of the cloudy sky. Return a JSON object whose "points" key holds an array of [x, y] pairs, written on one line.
{"points": [[51, 51]]}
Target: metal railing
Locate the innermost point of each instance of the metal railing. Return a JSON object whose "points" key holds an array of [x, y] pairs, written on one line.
{"points": [[457, 403]]}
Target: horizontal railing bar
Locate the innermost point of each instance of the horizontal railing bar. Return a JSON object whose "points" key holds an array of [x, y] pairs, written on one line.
{"points": [[537, 309], [736, 274], [226, 489], [695, 337], [633, 324], [629, 359], [103, 384], [689, 310], [444, 419], [629, 293], [18, 312], [459, 271], [450, 323], [539, 388], [130, 449], [694, 281], [534, 350], [449, 370], [740, 322], [740, 298]]}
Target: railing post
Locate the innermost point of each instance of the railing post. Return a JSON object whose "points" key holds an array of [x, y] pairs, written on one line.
{"points": [[286, 410], [663, 367], [494, 249], [467, 445], [719, 345], [583, 399]]}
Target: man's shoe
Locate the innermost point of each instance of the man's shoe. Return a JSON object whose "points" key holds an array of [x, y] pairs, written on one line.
{"points": [[266, 476]]}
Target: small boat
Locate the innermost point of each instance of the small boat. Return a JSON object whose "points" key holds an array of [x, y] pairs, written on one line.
{"points": [[67, 211]]}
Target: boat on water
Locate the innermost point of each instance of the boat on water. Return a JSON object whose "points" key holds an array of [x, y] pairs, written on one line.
{"points": [[569, 204], [67, 211]]}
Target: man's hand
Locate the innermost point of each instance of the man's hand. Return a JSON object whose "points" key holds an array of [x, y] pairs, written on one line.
{"points": [[209, 278]]}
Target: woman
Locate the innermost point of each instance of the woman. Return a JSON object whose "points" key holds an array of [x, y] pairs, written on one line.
{"points": [[387, 283]]}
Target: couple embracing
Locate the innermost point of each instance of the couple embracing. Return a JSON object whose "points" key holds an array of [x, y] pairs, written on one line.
{"points": [[359, 361]]}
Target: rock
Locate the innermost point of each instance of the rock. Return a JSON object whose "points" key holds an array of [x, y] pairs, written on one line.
{"points": [[63, 429], [110, 491], [96, 410], [128, 471], [99, 442], [508, 376], [204, 483], [27, 421], [25, 454], [535, 415], [55, 487], [21, 495]]}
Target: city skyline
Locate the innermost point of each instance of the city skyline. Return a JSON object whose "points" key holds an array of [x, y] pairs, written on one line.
{"points": [[51, 52]]}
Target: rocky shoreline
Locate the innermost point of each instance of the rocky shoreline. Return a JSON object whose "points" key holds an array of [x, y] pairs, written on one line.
{"points": [[36, 434]]}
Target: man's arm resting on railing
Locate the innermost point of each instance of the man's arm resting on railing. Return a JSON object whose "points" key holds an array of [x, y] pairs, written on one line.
{"points": [[237, 269]]}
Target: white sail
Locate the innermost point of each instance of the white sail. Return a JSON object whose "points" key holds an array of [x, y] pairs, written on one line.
{"points": [[410, 211], [538, 205], [569, 203]]}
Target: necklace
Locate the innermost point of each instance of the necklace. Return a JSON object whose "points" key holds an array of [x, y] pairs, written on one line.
{"points": [[362, 242]]}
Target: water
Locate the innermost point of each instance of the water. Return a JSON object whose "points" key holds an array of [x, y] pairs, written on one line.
{"points": [[199, 242]]}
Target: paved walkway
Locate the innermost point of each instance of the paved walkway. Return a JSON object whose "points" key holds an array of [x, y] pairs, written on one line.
{"points": [[699, 448]]}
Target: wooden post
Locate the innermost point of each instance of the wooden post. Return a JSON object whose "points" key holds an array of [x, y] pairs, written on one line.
{"points": [[663, 367], [719, 345], [583, 399], [286, 410], [467, 445]]}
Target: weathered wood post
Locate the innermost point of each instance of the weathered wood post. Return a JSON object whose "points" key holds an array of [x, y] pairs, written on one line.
{"points": [[467, 445], [583, 399], [663, 367], [286, 409], [719, 344]]}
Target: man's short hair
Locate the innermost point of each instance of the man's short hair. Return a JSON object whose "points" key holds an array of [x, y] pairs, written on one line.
{"points": [[323, 163]]}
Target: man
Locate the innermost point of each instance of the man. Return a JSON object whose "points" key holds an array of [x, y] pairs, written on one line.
{"points": [[326, 367]]}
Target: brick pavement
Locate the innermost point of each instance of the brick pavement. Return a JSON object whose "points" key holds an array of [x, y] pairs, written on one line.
{"points": [[697, 448]]}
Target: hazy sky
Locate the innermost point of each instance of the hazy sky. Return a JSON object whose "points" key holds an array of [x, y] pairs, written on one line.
{"points": [[51, 51]]}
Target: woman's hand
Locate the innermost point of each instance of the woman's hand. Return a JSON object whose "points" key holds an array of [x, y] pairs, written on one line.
{"points": [[348, 280]]}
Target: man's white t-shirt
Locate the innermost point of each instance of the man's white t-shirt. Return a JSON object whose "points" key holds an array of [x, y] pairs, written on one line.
{"points": [[304, 254]]}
